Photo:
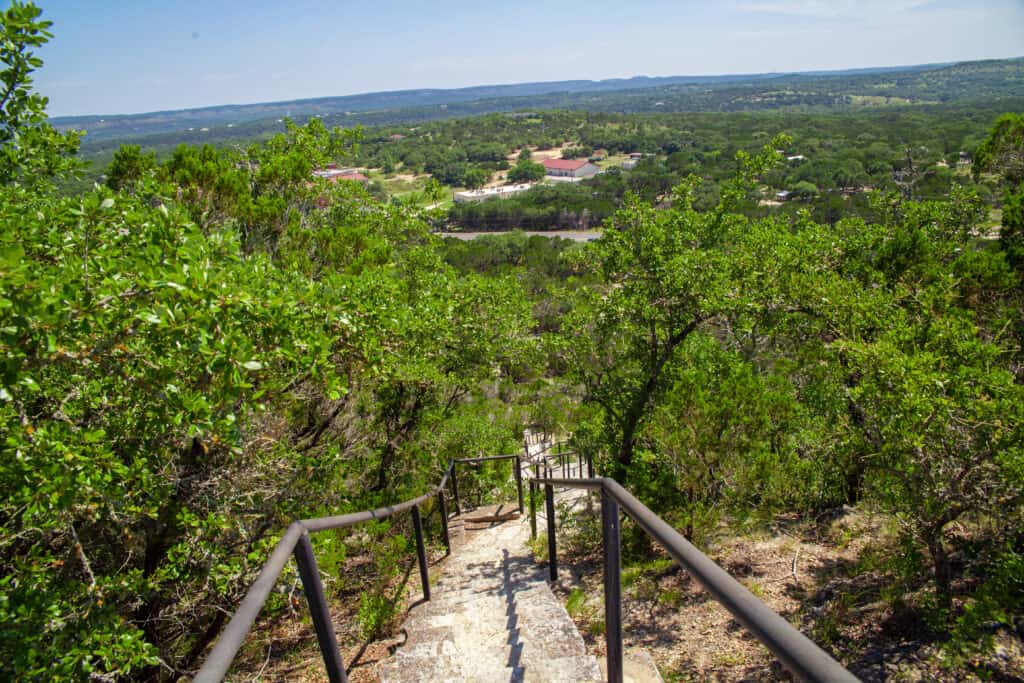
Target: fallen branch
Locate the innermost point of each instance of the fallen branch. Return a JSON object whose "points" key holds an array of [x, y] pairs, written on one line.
{"points": [[495, 517]]}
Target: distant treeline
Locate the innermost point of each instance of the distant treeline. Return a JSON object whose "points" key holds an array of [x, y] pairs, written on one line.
{"points": [[920, 85], [831, 163]]}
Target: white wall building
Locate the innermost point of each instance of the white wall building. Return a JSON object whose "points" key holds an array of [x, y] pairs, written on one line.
{"points": [[570, 168], [500, 192]]}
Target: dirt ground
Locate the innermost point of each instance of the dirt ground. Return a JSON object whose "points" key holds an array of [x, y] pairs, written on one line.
{"points": [[539, 155], [812, 574]]}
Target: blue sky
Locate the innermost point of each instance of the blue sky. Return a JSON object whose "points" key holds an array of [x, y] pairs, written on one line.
{"points": [[120, 56]]}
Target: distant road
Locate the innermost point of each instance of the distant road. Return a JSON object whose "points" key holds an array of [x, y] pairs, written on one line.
{"points": [[574, 235]]}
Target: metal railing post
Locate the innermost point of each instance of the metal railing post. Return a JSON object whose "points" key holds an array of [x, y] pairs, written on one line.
{"points": [[322, 624], [533, 510], [549, 500], [443, 509], [805, 660], [611, 531], [519, 483], [421, 552], [455, 488], [590, 466]]}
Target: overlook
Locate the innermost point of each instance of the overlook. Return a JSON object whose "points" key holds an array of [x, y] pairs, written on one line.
{"points": [[713, 377]]}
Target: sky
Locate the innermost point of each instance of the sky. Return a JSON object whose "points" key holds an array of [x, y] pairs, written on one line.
{"points": [[129, 56]]}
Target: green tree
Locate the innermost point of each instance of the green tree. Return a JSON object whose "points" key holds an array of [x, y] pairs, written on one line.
{"points": [[949, 423], [128, 166], [526, 172], [188, 364], [1002, 153], [805, 190], [667, 274], [475, 178], [32, 151]]}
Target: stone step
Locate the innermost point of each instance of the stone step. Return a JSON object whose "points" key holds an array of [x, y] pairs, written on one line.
{"points": [[420, 669], [637, 667], [432, 635], [492, 618], [580, 669]]}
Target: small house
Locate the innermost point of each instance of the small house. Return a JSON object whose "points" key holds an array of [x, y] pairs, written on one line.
{"points": [[570, 168], [332, 173]]}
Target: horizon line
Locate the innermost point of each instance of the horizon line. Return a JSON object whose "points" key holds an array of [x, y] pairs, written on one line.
{"points": [[306, 100]]}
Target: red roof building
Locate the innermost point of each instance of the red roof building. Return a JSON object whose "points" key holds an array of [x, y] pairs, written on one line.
{"points": [[564, 164], [570, 168], [348, 176], [332, 173]]}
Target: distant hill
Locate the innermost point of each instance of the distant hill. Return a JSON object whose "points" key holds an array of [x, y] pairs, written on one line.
{"points": [[805, 91], [161, 121]]}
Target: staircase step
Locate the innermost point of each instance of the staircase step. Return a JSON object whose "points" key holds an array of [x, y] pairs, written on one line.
{"points": [[637, 667], [422, 669], [493, 619], [580, 669], [428, 635]]}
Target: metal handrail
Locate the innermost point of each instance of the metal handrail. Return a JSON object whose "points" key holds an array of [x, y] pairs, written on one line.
{"points": [[801, 656], [796, 651], [296, 541]]}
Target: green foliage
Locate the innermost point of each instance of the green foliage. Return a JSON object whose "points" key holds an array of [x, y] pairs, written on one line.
{"points": [[916, 90], [718, 438], [128, 167], [805, 190], [1011, 234], [668, 272], [526, 171], [378, 607], [576, 152], [31, 151], [578, 533], [998, 600], [944, 412], [539, 547], [731, 365], [475, 177], [575, 601], [191, 361], [1002, 152]]}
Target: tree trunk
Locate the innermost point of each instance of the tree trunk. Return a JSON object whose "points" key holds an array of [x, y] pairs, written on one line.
{"points": [[638, 406], [943, 571]]}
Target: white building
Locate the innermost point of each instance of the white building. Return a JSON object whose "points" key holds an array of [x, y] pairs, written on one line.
{"points": [[500, 192], [570, 168]]}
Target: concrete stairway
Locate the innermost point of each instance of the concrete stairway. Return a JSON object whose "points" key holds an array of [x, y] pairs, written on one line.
{"points": [[492, 619]]}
